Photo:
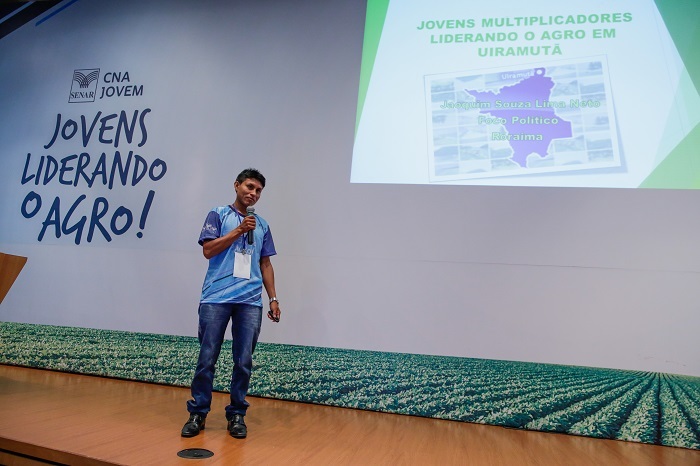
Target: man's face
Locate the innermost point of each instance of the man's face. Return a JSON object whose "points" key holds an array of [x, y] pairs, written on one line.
{"points": [[248, 192]]}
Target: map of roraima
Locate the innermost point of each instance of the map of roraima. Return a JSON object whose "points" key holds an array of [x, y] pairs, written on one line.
{"points": [[526, 113]]}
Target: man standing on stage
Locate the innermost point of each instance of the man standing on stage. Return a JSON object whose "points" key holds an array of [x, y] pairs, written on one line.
{"points": [[238, 244]]}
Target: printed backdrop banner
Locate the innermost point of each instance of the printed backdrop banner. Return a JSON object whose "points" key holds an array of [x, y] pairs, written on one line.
{"points": [[125, 122]]}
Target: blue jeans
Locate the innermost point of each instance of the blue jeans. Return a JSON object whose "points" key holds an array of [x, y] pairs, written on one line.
{"points": [[245, 328]]}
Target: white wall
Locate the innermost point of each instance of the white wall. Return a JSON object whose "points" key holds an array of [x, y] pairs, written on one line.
{"points": [[595, 277]]}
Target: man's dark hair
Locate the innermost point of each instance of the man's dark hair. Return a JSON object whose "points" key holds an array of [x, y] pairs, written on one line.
{"points": [[251, 173]]}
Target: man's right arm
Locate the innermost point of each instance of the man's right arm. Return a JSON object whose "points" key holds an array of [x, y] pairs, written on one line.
{"points": [[212, 247]]}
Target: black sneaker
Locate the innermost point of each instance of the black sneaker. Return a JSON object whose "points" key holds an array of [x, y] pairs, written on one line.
{"points": [[194, 425], [236, 427]]}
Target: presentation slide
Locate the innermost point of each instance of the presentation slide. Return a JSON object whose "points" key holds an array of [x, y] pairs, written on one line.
{"points": [[567, 94]]}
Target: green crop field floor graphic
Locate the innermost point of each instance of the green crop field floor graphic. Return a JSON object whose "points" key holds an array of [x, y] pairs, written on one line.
{"points": [[646, 407]]}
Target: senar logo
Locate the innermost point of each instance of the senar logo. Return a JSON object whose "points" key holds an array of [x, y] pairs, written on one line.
{"points": [[84, 85]]}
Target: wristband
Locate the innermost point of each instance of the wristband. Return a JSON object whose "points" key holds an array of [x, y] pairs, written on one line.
{"points": [[272, 300]]}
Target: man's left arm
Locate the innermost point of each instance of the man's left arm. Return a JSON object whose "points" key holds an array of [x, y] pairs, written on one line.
{"points": [[268, 278]]}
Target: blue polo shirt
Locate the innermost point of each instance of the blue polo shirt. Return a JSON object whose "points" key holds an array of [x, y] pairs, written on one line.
{"points": [[220, 286]]}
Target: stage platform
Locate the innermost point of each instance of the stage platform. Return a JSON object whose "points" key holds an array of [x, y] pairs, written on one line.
{"points": [[59, 418]]}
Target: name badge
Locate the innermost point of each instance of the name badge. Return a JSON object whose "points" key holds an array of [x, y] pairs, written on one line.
{"points": [[241, 264]]}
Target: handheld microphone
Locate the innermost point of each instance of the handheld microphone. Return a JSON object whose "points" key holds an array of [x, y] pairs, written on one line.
{"points": [[250, 210]]}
